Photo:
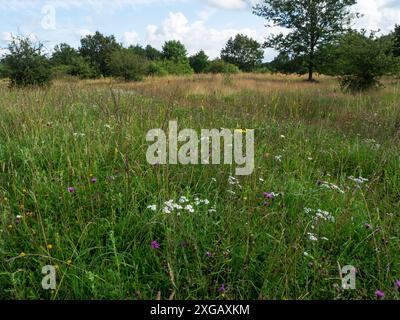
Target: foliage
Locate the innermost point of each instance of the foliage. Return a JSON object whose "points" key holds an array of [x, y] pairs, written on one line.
{"points": [[25, 63], [310, 23], [175, 51], [82, 68], [220, 66], [199, 62], [63, 54], [126, 64], [244, 52], [97, 49], [361, 61]]}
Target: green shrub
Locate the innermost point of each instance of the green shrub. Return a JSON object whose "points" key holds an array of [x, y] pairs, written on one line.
{"points": [[156, 69], [61, 71], [82, 68], [220, 66], [25, 64], [126, 64], [361, 62]]}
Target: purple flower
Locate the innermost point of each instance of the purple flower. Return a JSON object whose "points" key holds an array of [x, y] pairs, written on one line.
{"points": [[398, 284], [221, 289], [93, 180], [268, 195], [367, 226], [379, 294], [71, 190], [208, 254], [155, 245], [18, 219]]}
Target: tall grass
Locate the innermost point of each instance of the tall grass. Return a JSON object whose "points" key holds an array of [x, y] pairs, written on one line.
{"points": [[310, 138]]}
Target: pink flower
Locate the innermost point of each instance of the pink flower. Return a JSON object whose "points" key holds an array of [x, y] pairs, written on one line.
{"points": [[398, 284], [379, 294], [71, 190], [155, 245]]}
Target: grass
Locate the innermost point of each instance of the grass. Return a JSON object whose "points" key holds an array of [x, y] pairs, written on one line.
{"points": [[99, 237]]}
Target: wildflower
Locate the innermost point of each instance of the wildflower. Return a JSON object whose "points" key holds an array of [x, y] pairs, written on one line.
{"points": [[379, 294], [71, 190], [261, 179], [268, 195], [69, 262], [221, 289], [93, 180], [183, 199], [49, 246], [22, 254], [367, 226], [312, 237], [398, 284], [189, 208], [155, 245], [152, 207], [212, 210], [278, 158], [208, 254]]}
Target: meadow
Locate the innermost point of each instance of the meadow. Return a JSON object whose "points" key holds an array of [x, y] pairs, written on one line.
{"points": [[76, 191]]}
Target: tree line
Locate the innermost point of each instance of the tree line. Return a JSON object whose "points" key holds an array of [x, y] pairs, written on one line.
{"points": [[320, 39]]}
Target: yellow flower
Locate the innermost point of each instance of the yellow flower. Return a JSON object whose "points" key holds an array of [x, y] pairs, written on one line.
{"points": [[69, 261], [22, 254], [9, 226], [49, 246]]}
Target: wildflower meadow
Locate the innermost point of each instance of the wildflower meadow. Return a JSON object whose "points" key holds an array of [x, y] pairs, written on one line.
{"points": [[77, 193]]}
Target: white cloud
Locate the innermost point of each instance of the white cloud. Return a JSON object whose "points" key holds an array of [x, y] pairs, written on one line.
{"points": [[83, 33], [228, 4], [130, 38], [378, 15], [195, 36]]}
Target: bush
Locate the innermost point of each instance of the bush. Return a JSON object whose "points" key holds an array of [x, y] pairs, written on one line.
{"points": [[26, 65], [128, 65], [61, 71], [220, 66], [82, 68], [362, 61], [156, 69]]}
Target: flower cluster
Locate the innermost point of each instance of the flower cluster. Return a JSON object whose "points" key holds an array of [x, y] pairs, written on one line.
{"points": [[181, 205]]}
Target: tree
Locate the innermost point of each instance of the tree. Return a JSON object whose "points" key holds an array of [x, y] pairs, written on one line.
{"points": [[152, 54], [63, 54], [244, 52], [25, 63], [175, 51], [361, 60], [97, 49], [126, 64], [396, 41], [310, 23], [199, 62]]}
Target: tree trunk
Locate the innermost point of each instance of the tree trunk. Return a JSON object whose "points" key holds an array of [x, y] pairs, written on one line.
{"points": [[310, 73]]}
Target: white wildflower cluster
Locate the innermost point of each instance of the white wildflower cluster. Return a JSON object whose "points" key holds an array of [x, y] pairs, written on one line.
{"points": [[278, 158], [234, 182], [359, 180], [79, 135], [183, 204], [331, 186], [318, 215]]}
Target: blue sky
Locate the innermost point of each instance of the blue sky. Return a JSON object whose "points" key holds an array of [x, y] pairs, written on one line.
{"points": [[199, 24]]}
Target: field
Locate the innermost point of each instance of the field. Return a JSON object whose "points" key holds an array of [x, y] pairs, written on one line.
{"points": [[76, 191]]}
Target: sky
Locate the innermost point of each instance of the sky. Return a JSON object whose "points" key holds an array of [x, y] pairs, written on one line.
{"points": [[199, 24]]}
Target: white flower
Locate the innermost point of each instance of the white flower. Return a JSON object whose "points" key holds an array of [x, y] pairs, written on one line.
{"points": [[152, 207], [261, 179], [189, 208], [212, 210], [359, 180], [231, 192], [278, 158], [312, 237], [183, 199], [107, 126]]}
